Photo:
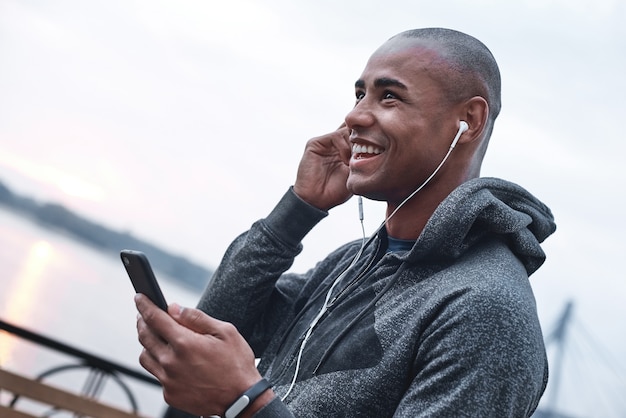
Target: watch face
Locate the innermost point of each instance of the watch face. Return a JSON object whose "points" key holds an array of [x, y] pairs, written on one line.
{"points": [[247, 398], [238, 407]]}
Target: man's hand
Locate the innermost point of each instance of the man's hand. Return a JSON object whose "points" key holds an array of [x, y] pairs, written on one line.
{"points": [[323, 170], [203, 364]]}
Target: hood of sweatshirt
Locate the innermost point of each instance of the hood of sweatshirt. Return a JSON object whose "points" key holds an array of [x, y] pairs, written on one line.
{"points": [[484, 207]]}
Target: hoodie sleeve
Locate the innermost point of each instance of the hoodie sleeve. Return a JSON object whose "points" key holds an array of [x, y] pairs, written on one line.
{"points": [[243, 289]]}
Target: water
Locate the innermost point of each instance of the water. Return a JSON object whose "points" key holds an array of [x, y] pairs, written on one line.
{"points": [[54, 285]]}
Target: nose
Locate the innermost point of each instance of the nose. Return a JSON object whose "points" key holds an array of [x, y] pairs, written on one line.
{"points": [[361, 115]]}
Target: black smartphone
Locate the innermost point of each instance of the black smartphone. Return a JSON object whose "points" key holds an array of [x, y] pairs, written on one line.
{"points": [[141, 275]]}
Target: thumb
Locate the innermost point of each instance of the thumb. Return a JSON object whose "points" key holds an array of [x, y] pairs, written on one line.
{"points": [[192, 319]]}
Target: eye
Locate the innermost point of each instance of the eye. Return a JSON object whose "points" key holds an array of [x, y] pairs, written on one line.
{"points": [[388, 95], [359, 95]]}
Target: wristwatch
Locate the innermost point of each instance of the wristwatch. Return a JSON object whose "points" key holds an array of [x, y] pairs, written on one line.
{"points": [[247, 398]]}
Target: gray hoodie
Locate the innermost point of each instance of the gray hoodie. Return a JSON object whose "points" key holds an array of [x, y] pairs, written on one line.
{"points": [[447, 329]]}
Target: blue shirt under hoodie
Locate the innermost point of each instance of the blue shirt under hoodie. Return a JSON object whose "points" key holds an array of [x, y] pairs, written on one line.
{"points": [[447, 329]]}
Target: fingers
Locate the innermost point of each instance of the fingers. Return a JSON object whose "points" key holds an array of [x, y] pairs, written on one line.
{"points": [[151, 364], [342, 143], [197, 321], [153, 345], [331, 144], [158, 328], [202, 363], [324, 169], [155, 330], [158, 321], [162, 337]]}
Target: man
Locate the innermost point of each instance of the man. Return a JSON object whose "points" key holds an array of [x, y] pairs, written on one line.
{"points": [[433, 316]]}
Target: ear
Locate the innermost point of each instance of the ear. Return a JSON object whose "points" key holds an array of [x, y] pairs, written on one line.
{"points": [[475, 112]]}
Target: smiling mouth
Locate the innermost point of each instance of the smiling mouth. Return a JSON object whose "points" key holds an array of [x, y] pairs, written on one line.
{"points": [[365, 151]]}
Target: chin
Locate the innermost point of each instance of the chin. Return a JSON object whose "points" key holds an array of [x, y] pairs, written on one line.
{"points": [[361, 189], [368, 194], [374, 197]]}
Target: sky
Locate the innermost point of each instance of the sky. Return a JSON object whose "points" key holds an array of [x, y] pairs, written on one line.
{"points": [[183, 122]]}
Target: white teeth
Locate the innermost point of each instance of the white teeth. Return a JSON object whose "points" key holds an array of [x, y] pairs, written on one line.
{"points": [[365, 149]]}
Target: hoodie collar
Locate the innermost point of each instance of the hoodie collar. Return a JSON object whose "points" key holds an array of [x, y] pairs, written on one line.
{"points": [[480, 207]]}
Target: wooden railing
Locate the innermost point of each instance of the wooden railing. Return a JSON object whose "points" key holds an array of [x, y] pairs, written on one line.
{"points": [[84, 403], [56, 398]]}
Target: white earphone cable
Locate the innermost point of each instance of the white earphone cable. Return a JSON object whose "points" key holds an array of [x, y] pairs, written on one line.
{"points": [[462, 128]]}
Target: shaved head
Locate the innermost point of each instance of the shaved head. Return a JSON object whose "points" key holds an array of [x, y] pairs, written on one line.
{"points": [[466, 67]]}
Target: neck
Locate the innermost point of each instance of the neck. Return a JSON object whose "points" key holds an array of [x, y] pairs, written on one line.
{"points": [[409, 221]]}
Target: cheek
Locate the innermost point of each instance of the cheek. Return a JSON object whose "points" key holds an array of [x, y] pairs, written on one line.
{"points": [[412, 162]]}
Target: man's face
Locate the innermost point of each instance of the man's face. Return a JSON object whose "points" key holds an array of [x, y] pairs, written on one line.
{"points": [[401, 126]]}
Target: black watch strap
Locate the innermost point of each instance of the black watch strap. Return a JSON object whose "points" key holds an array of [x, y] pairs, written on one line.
{"points": [[247, 398]]}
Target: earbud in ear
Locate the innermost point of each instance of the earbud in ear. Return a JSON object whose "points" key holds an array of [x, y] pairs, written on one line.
{"points": [[463, 126]]}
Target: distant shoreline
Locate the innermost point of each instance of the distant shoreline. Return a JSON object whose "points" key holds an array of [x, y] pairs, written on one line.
{"points": [[56, 216]]}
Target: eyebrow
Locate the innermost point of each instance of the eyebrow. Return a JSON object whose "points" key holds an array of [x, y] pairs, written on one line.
{"points": [[382, 82]]}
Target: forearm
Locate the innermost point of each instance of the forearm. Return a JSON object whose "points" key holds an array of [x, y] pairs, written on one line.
{"points": [[244, 283]]}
